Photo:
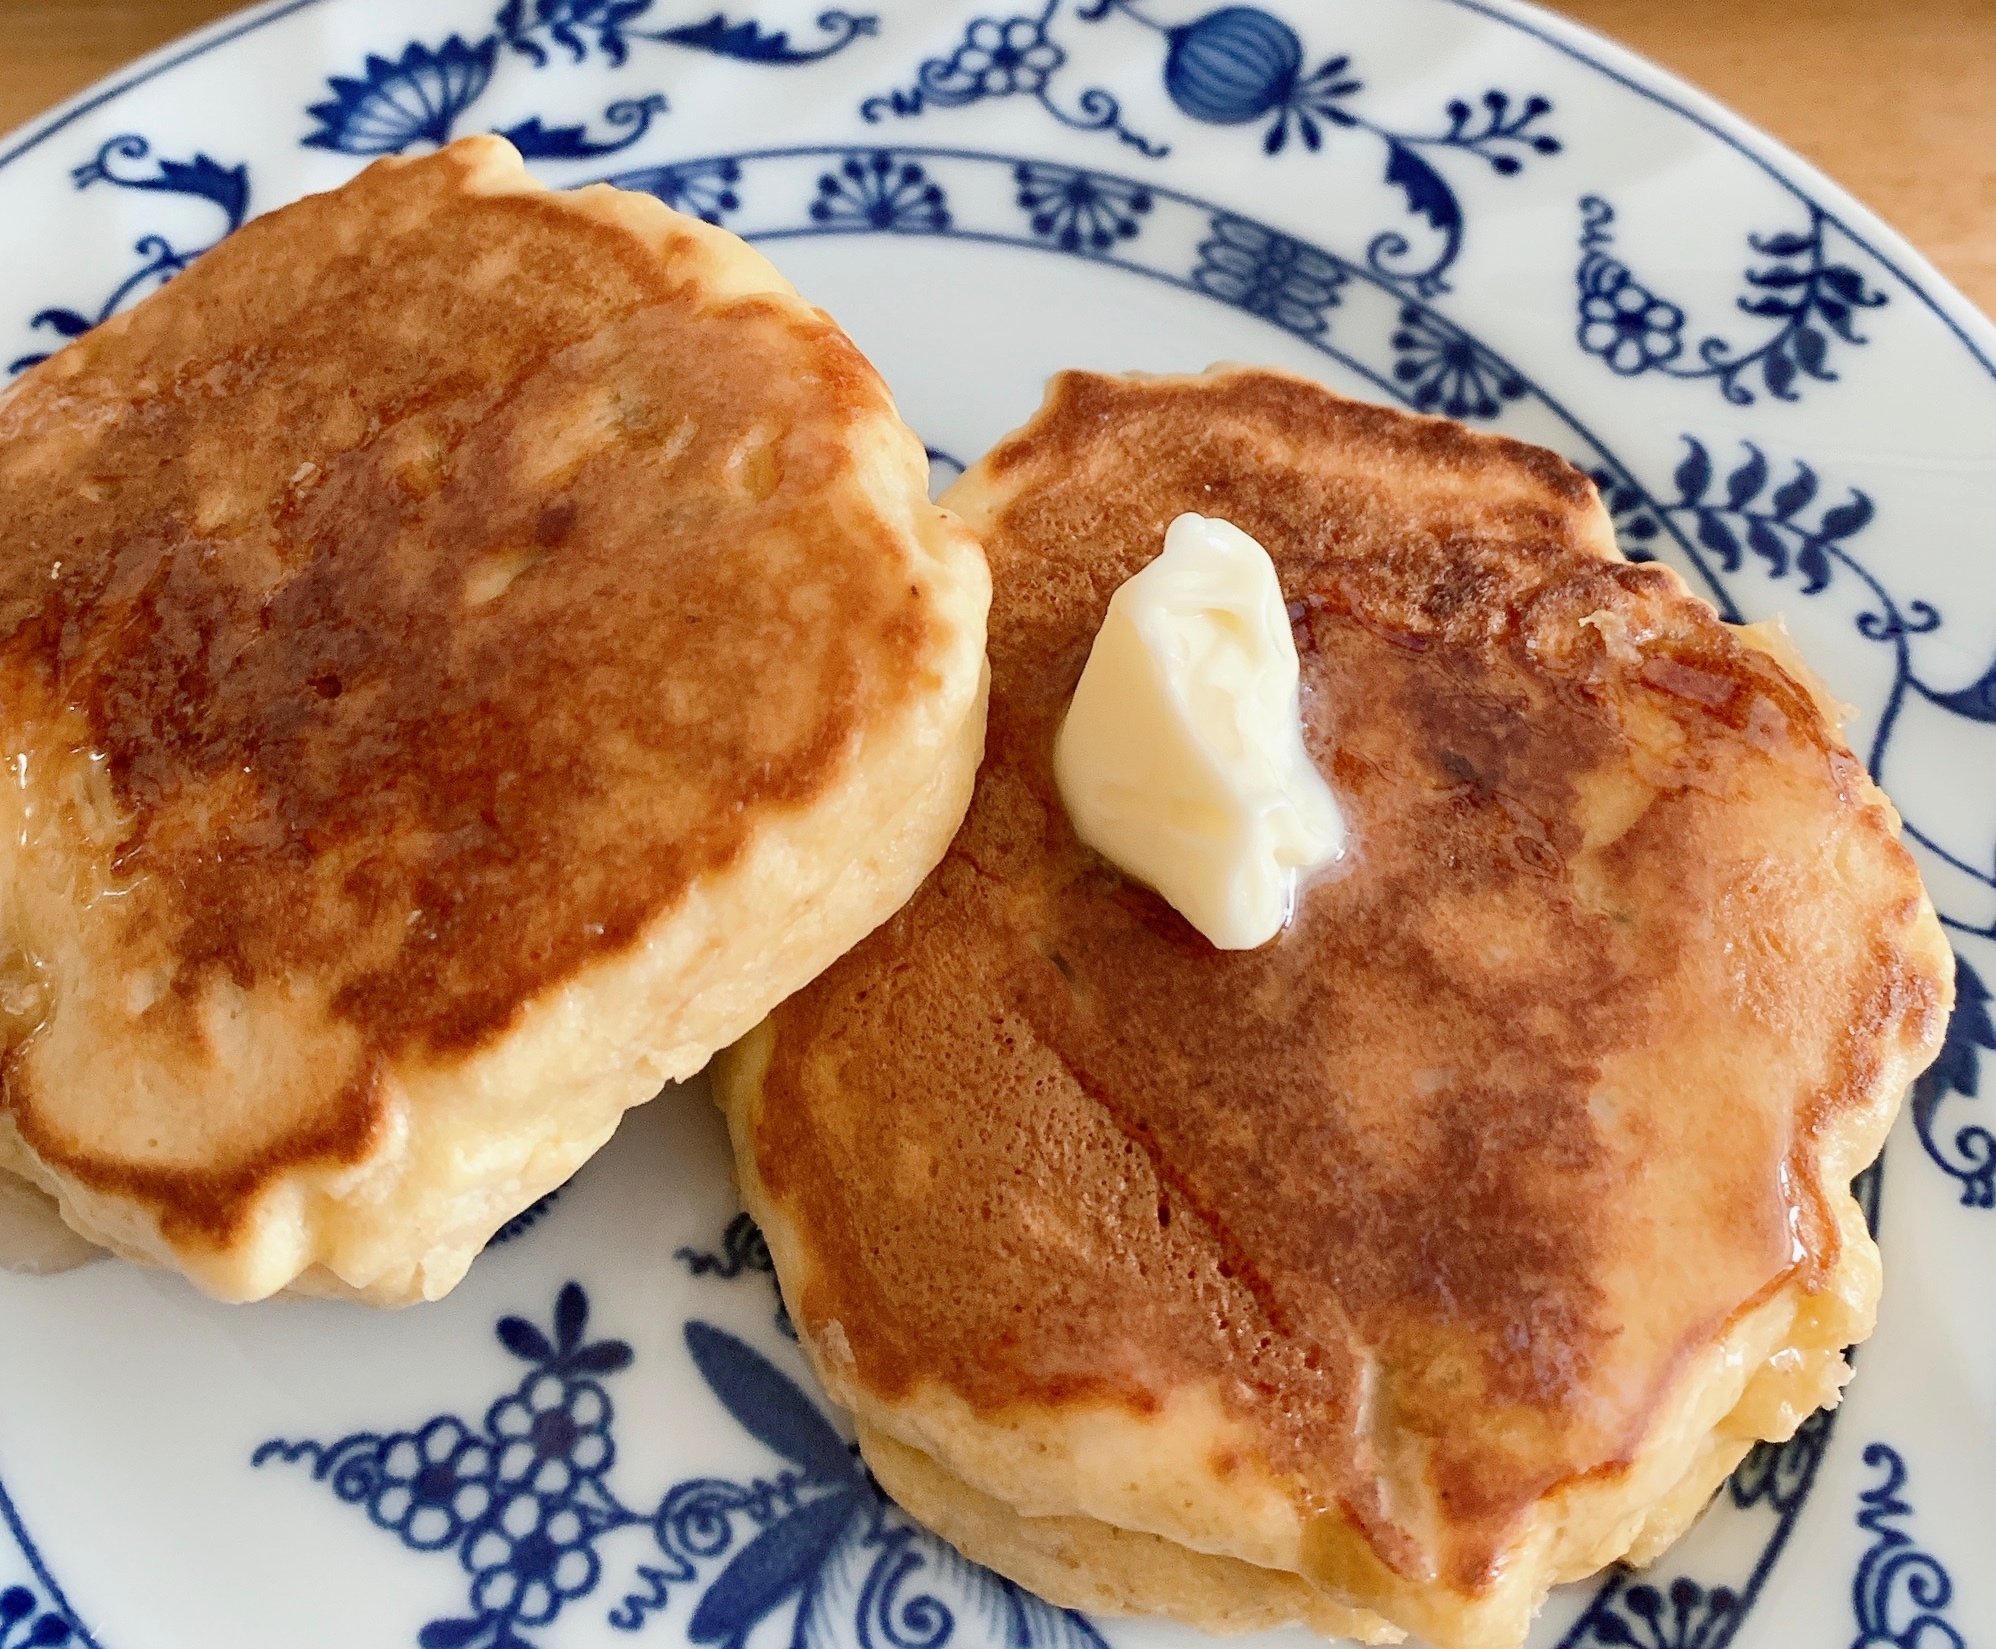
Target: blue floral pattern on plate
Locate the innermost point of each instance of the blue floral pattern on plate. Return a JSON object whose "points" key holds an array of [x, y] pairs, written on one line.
{"points": [[524, 1499], [1235, 67], [421, 95], [518, 1498], [1810, 298]]}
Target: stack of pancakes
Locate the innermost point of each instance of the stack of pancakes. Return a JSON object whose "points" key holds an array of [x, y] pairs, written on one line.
{"points": [[1459, 1241], [468, 653]]}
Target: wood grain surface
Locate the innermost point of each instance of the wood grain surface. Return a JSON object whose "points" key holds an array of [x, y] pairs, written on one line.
{"points": [[1896, 99]]}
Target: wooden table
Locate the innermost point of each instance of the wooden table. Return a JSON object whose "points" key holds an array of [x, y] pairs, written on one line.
{"points": [[1895, 98]]}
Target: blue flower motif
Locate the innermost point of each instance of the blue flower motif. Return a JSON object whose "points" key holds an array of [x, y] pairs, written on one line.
{"points": [[877, 191], [524, 1503], [530, 1558], [551, 1432], [416, 98], [434, 1484], [1623, 322], [1268, 275], [1079, 211], [1814, 299], [997, 59], [1683, 1616], [22, 1628], [1442, 370], [1005, 57]]}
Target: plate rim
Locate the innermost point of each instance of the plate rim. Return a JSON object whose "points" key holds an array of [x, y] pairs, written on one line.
{"points": [[1584, 44]]}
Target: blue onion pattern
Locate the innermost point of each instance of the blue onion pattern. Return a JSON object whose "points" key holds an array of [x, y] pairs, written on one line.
{"points": [[1080, 211], [1442, 369], [421, 96], [531, 27], [537, 141], [1232, 66], [998, 59], [1239, 66], [414, 98], [227, 188], [1811, 297], [1625, 324], [524, 1501], [877, 191], [434, 1484], [527, 1218], [1006, 57], [1268, 274]]}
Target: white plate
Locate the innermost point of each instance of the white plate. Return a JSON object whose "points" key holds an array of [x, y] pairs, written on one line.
{"points": [[1472, 208]]}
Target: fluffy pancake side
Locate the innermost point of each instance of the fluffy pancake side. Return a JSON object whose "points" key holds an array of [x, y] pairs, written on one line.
{"points": [[1464, 1238], [468, 651], [1080, 1563]]}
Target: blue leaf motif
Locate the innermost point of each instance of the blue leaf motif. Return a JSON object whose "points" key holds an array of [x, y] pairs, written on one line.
{"points": [[538, 142], [1427, 195], [65, 321], [226, 186], [1792, 495], [571, 1316], [451, 1633], [768, 1405], [747, 42], [17, 1608], [771, 1568], [1694, 474], [1766, 543], [1814, 566], [1847, 519], [604, 1357], [1786, 244], [1717, 537], [1744, 484], [523, 1340], [1779, 371]]}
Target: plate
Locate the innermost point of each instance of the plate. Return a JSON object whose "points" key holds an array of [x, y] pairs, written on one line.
{"points": [[1475, 209]]}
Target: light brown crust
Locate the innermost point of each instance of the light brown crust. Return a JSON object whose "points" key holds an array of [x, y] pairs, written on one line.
{"points": [[1562, 1076], [446, 578]]}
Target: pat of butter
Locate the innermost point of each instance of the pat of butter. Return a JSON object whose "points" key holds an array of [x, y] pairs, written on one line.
{"points": [[1181, 759]]}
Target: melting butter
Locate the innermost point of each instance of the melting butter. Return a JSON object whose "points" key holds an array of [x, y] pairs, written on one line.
{"points": [[1181, 759]]}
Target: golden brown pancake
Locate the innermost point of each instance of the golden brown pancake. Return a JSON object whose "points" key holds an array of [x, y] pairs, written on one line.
{"points": [[465, 653], [1460, 1240]]}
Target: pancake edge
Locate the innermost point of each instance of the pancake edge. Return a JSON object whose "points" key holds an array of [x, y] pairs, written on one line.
{"points": [[449, 1151]]}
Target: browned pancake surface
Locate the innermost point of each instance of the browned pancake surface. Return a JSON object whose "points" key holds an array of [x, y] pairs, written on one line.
{"points": [[446, 581], [1443, 1186]]}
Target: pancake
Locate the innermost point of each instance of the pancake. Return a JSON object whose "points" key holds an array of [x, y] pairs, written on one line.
{"points": [[466, 652], [1463, 1238]]}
